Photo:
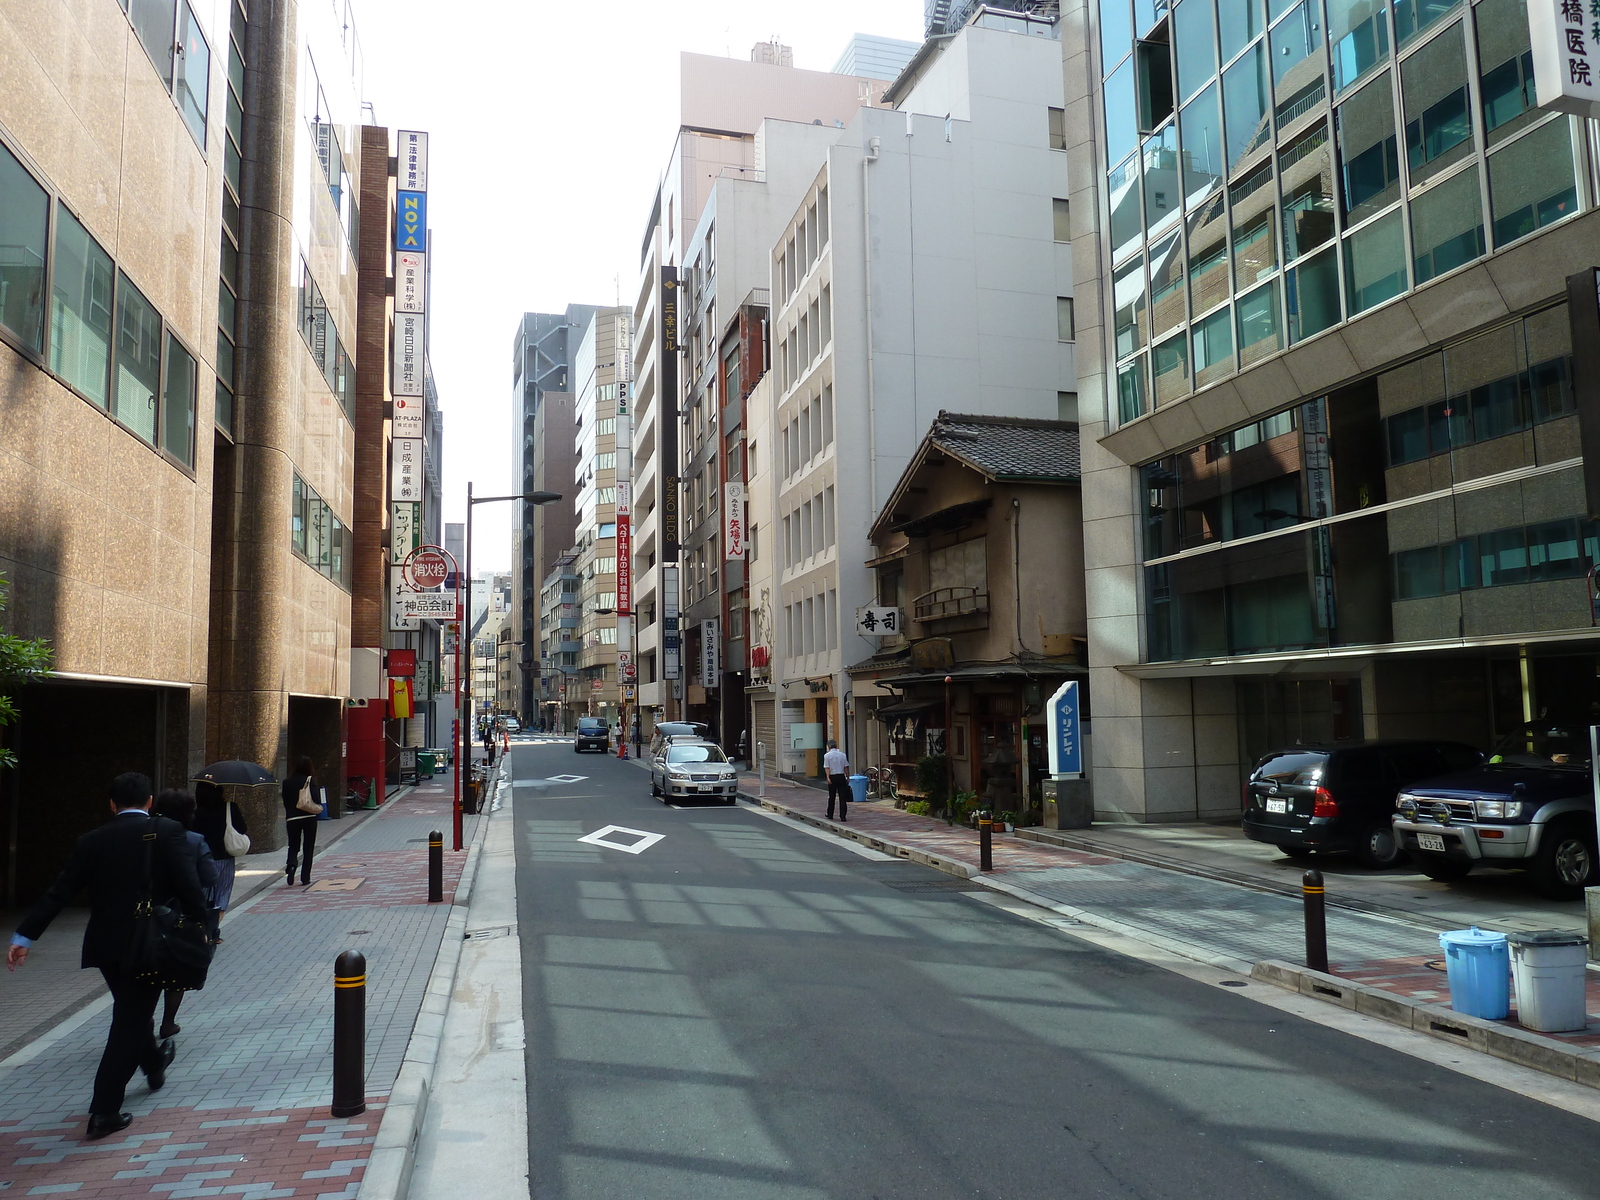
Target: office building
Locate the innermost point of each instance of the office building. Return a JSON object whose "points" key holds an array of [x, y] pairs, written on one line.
{"points": [[1331, 425], [875, 57], [542, 451]]}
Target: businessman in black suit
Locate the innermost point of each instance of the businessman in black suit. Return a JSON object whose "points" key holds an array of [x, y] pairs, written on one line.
{"points": [[110, 862]]}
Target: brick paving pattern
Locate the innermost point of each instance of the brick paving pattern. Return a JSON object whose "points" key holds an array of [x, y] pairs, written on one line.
{"points": [[244, 1113], [1210, 915]]}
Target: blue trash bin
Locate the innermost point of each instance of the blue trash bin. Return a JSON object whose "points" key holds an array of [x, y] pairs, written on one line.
{"points": [[1479, 965], [858, 788]]}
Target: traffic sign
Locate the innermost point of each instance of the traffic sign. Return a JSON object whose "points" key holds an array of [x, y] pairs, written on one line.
{"points": [[426, 568]]}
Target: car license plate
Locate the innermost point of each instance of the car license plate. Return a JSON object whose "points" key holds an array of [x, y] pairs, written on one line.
{"points": [[1277, 806], [1430, 841], [708, 787]]}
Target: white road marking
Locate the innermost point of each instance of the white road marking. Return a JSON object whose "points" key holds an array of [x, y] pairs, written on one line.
{"points": [[566, 778], [646, 840]]}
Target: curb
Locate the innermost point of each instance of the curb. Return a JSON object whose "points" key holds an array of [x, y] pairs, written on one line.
{"points": [[949, 866], [388, 1170], [1052, 837], [1520, 1046], [963, 871]]}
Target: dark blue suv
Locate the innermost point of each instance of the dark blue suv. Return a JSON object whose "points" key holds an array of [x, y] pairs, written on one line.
{"points": [[1530, 806], [1342, 797]]}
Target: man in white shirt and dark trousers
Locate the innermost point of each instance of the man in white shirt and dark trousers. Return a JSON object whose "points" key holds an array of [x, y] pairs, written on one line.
{"points": [[837, 768]]}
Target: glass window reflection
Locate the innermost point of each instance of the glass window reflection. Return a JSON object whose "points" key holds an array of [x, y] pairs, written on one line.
{"points": [[1297, 81], [1369, 159], [1358, 38], [1531, 182], [1246, 101], [1505, 67], [1194, 37], [1433, 84], [1305, 167], [1447, 226], [1255, 251], [1200, 128], [1375, 263]]}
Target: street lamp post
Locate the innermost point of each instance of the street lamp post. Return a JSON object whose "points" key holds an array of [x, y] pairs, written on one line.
{"points": [[464, 642]]}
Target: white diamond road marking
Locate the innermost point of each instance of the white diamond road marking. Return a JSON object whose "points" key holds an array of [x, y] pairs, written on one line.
{"points": [[599, 836], [566, 778]]}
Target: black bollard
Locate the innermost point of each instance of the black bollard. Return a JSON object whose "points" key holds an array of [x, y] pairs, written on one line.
{"points": [[985, 842], [349, 1034], [1316, 922], [435, 867]]}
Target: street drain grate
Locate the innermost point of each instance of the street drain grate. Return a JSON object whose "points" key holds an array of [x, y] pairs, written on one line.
{"points": [[493, 931], [932, 885]]}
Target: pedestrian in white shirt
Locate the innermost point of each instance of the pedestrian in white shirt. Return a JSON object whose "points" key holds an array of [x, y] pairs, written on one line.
{"points": [[836, 765]]}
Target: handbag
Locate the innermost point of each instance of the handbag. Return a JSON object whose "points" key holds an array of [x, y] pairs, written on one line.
{"points": [[167, 948], [235, 843], [307, 803]]}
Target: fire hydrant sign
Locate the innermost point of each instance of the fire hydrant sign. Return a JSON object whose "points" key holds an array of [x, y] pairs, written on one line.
{"points": [[427, 567]]}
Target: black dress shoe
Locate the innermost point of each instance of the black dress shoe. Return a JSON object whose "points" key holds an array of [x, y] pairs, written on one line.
{"points": [[105, 1124], [158, 1077]]}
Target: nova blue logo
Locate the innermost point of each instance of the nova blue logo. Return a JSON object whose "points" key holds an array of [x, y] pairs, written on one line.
{"points": [[411, 221]]}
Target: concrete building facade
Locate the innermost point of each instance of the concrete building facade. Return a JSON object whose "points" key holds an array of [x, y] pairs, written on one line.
{"points": [[924, 270]]}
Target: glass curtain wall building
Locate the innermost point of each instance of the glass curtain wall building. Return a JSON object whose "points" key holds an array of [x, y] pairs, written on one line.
{"points": [[1335, 380], [1275, 168]]}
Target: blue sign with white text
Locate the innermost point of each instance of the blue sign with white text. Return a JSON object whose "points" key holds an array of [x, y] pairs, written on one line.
{"points": [[1066, 743], [411, 221]]}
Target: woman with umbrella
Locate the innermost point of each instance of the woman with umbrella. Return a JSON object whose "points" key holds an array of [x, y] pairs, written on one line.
{"points": [[222, 824]]}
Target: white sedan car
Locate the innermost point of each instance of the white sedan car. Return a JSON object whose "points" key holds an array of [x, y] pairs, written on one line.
{"points": [[697, 770]]}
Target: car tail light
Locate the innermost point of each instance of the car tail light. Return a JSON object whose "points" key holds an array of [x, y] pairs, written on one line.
{"points": [[1324, 804]]}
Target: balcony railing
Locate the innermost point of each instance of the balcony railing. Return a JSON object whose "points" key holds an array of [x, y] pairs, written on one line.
{"points": [[949, 602]]}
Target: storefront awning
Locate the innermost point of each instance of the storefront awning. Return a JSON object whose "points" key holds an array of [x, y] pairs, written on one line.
{"points": [[1039, 671], [906, 708]]}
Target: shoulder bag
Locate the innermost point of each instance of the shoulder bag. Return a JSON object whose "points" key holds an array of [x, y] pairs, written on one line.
{"points": [[167, 949], [307, 803], [235, 843]]}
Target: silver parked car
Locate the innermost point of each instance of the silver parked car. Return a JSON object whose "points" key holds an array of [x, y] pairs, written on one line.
{"points": [[693, 769]]}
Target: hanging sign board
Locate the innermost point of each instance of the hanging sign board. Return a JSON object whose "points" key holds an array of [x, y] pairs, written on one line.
{"points": [[1565, 35]]}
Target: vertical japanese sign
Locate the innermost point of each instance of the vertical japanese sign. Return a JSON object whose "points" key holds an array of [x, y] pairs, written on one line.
{"points": [[671, 638], [710, 653], [1066, 735], [405, 528], [1566, 55], [733, 529], [406, 470], [668, 467], [398, 591]]}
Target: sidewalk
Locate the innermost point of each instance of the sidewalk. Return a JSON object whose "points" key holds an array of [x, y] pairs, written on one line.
{"points": [[54, 987], [1211, 919], [245, 1109]]}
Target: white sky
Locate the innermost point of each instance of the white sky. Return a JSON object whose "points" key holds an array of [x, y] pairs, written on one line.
{"points": [[550, 125]]}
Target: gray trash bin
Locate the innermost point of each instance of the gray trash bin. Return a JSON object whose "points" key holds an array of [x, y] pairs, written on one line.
{"points": [[1548, 968]]}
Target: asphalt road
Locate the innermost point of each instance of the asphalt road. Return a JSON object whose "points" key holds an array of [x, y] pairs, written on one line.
{"points": [[742, 1011]]}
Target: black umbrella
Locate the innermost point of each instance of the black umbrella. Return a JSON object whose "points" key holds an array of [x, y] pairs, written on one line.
{"points": [[236, 771]]}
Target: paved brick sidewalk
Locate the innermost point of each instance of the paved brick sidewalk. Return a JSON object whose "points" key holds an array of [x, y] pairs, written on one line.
{"points": [[244, 1113], [1213, 917]]}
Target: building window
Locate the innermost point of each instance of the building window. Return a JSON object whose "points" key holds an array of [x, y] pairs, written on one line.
{"points": [[80, 311], [1531, 182], [318, 536], [24, 235], [192, 85], [1375, 263], [1433, 83], [1368, 156], [1066, 331], [1058, 128], [1447, 226], [1062, 213], [1505, 67], [138, 362], [178, 403]]}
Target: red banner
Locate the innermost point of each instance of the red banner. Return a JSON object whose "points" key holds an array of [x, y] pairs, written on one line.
{"points": [[624, 565]]}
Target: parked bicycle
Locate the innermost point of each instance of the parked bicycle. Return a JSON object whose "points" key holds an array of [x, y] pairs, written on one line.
{"points": [[882, 783]]}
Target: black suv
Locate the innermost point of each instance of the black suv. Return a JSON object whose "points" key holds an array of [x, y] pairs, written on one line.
{"points": [[1531, 806], [593, 734], [1342, 797]]}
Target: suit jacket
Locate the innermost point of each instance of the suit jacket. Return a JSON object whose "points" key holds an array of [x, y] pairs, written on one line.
{"points": [[109, 861]]}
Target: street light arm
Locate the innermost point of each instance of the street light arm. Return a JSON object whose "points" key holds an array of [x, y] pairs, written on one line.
{"points": [[531, 497]]}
